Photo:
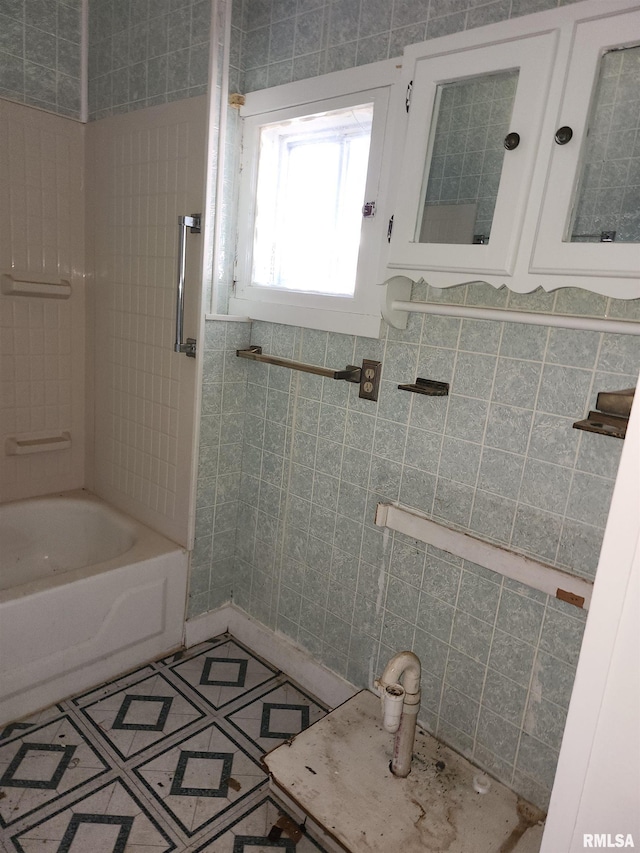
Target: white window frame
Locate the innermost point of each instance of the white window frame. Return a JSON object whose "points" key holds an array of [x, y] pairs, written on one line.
{"points": [[359, 314]]}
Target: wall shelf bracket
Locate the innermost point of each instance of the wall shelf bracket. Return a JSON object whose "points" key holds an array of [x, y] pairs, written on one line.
{"points": [[396, 289]]}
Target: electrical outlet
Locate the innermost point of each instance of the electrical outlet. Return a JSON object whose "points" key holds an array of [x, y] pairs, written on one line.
{"points": [[370, 379]]}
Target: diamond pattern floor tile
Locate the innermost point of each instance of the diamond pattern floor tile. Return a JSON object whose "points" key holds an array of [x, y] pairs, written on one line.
{"points": [[39, 719], [201, 777], [43, 764], [163, 758], [262, 828], [111, 818], [276, 715], [141, 714], [109, 687], [223, 673]]}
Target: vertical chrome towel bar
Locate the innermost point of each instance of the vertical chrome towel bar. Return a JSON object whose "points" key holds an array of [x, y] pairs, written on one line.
{"points": [[193, 223]]}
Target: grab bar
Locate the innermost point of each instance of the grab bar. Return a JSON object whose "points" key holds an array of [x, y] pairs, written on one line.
{"points": [[193, 223], [367, 376]]}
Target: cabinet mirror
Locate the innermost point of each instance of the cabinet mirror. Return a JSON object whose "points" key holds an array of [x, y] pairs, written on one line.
{"points": [[468, 141], [607, 207]]}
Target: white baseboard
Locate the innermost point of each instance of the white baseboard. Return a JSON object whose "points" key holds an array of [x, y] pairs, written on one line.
{"points": [[207, 625], [328, 686]]}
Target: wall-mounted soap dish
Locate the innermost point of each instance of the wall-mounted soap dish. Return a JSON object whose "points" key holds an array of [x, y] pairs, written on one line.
{"points": [[603, 424], [427, 386], [612, 415], [18, 445]]}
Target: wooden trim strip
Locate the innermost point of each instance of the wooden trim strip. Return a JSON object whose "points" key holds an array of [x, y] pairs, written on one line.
{"points": [[569, 588]]}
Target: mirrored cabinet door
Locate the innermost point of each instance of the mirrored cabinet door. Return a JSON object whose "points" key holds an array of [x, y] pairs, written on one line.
{"points": [[472, 138], [466, 154], [590, 219]]}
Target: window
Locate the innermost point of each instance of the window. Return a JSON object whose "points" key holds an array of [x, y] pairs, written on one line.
{"points": [[312, 174], [307, 255]]}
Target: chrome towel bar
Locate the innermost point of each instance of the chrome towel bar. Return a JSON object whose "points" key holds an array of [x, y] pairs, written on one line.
{"points": [[367, 376], [350, 374]]}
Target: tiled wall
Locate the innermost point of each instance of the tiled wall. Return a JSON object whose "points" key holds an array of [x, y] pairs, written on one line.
{"points": [[498, 458], [146, 52], [41, 339], [285, 40], [140, 53], [40, 54], [222, 424]]}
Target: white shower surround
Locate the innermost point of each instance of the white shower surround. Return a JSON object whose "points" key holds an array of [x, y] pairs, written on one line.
{"points": [[105, 596], [43, 340]]}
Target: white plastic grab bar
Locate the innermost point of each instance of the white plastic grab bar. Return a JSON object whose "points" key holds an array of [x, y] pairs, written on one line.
{"points": [[193, 223]]}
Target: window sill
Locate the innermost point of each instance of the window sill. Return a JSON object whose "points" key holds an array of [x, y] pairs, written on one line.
{"points": [[326, 320]]}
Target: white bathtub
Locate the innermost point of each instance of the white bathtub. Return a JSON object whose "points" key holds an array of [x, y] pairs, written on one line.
{"points": [[85, 594]]}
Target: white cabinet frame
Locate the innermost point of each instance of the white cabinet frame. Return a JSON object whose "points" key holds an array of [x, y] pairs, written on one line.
{"points": [[552, 253], [526, 250], [533, 58]]}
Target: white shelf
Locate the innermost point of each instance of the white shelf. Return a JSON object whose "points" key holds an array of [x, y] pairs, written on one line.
{"points": [[27, 284], [21, 445]]}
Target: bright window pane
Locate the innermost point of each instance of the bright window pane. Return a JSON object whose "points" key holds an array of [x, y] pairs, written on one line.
{"points": [[311, 183]]}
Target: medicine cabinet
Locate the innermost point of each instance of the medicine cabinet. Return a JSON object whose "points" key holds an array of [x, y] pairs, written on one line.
{"points": [[521, 160], [461, 186], [590, 218]]}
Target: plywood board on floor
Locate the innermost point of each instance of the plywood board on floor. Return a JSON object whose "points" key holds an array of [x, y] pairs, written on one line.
{"points": [[338, 772]]}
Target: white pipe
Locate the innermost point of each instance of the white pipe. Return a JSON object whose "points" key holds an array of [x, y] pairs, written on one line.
{"points": [[392, 700], [405, 666], [396, 307], [405, 737], [504, 315]]}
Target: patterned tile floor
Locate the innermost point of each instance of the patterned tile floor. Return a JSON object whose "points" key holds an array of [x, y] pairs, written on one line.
{"points": [[165, 758]]}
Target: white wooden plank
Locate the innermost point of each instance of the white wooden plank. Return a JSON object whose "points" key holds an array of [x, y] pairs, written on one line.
{"points": [[537, 575], [337, 771]]}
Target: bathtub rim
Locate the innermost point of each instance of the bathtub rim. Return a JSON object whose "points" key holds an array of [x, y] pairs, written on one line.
{"points": [[148, 544]]}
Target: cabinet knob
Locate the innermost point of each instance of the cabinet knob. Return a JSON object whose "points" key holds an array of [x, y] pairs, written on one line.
{"points": [[511, 141], [563, 135]]}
